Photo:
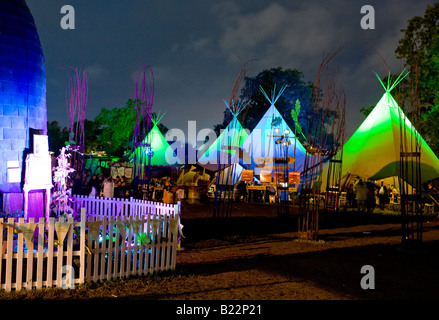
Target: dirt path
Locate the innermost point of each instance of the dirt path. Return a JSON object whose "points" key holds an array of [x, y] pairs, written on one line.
{"points": [[256, 255]]}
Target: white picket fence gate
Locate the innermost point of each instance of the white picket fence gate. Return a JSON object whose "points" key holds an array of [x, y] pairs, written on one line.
{"points": [[102, 245]]}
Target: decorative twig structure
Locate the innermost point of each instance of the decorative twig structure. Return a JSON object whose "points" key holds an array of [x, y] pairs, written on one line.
{"points": [[328, 108], [227, 153], [228, 159], [77, 97], [411, 204], [142, 113]]}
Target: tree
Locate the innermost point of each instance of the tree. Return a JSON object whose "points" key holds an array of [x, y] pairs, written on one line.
{"points": [[92, 132], [420, 49], [116, 129], [365, 111], [296, 89], [162, 128], [57, 136], [295, 113]]}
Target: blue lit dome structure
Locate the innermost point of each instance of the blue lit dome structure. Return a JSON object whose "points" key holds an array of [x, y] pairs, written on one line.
{"points": [[22, 88]]}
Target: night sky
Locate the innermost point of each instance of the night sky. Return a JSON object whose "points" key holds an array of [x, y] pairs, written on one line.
{"points": [[193, 45]]}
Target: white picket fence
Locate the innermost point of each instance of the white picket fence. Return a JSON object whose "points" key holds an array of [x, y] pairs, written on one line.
{"points": [[115, 207], [63, 252]]}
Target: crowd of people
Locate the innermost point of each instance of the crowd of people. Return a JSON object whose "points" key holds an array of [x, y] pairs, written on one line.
{"points": [[97, 185], [364, 195], [120, 187]]}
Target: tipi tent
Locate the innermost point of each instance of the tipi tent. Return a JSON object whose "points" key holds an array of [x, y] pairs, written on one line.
{"points": [[225, 150], [162, 153], [264, 143], [373, 151]]}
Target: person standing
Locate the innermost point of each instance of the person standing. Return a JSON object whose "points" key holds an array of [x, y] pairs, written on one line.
{"points": [[383, 196], [350, 195], [108, 188], [360, 189], [93, 186]]}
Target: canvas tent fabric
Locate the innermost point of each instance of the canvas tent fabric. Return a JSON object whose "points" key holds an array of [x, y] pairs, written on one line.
{"points": [[190, 177], [373, 151], [186, 178], [225, 150], [230, 175], [261, 144], [163, 153]]}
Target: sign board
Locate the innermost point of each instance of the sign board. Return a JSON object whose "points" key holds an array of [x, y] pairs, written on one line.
{"points": [[247, 175], [331, 200], [14, 172], [294, 177], [121, 171], [273, 167], [279, 176], [265, 176], [41, 144], [38, 173], [285, 160], [270, 160], [180, 194]]}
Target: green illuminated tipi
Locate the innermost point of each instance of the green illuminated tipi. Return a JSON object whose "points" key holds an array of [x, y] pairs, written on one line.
{"points": [[162, 153], [373, 151]]}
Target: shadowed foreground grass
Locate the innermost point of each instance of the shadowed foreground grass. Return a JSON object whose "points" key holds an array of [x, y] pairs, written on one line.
{"points": [[97, 290]]}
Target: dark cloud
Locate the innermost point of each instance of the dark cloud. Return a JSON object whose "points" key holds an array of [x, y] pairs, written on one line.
{"points": [[193, 47]]}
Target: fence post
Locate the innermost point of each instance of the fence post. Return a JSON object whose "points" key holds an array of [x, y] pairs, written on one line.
{"points": [[178, 209], [50, 252], [82, 224], [40, 252], [9, 248]]}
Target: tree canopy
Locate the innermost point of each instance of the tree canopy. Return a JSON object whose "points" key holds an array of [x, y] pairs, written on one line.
{"points": [[419, 47], [116, 126], [297, 90], [57, 136]]}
